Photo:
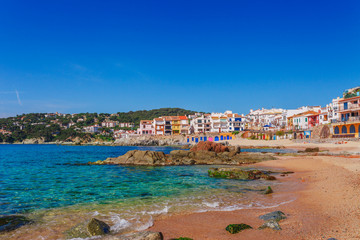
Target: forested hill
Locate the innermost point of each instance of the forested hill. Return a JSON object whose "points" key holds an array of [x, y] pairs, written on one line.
{"points": [[60, 126], [150, 114]]}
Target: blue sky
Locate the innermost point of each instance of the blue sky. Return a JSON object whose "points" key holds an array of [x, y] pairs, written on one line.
{"points": [[111, 56]]}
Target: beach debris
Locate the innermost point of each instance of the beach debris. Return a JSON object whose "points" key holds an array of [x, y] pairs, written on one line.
{"points": [[12, 222], [93, 227], [144, 235], [235, 228], [238, 173], [273, 224], [268, 190], [276, 215]]}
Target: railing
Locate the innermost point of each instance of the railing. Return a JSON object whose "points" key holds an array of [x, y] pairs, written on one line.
{"points": [[350, 107], [351, 119]]}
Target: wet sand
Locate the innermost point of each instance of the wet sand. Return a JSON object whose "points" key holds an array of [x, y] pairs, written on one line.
{"points": [[327, 205]]}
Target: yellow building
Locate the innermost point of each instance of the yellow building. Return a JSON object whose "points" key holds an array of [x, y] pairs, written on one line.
{"points": [[175, 123]]}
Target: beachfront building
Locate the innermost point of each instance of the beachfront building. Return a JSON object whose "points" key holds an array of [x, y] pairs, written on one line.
{"points": [[348, 124], [261, 117], [219, 123], [184, 125], [167, 126], [306, 120], [201, 124], [290, 113], [236, 122], [159, 126], [146, 127], [175, 125]]}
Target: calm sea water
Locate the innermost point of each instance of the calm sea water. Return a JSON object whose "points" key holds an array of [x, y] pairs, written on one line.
{"points": [[37, 180]]}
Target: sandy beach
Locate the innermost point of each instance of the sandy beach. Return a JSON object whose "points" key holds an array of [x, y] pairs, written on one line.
{"points": [[336, 146], [326, 205]]}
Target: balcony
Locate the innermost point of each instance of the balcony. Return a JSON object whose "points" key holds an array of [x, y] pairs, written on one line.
{"points": [[347, 120], [350, 108]]}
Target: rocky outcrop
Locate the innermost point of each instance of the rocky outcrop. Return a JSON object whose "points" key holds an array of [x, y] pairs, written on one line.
{"points": [[136, 157], [88, 229], [9, 223], [238, 173], [209, 147], [184, 157], [216, 154]]}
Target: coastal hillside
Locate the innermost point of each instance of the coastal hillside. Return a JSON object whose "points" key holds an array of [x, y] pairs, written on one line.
{"points": [[48, 127]]}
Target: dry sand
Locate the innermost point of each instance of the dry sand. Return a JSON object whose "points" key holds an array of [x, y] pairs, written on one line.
{"points": [[327, 205]]}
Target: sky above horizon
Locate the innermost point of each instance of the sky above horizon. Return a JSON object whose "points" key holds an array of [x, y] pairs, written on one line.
{"points": [[212, 56]]}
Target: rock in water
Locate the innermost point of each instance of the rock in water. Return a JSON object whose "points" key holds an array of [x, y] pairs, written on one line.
{"points": [[91, 228], [315, 149], [235, 228], [277, 216], [9, 223], [273, 224], [268, 190], [237, 173]]}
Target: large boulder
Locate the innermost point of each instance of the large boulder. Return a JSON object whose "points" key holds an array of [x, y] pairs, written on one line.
{"points": [[93, 227], [137, 157], [210, 146], [9, 223]]}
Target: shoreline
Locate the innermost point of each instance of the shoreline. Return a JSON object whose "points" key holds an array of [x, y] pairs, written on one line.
{"points": [[323, 194], [325, 205]]}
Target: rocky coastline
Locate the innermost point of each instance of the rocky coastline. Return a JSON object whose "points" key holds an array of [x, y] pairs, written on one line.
{"points": [[204, 153]]}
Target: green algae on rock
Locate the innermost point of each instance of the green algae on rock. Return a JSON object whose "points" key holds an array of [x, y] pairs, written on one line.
{"points": [[268, 190], [237, 173], [235, 228], [9, 223]]}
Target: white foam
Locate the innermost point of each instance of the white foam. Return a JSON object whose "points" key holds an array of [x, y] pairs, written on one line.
{"points": [[146, 225], [211, 205], [119, 223], [162, 211]]}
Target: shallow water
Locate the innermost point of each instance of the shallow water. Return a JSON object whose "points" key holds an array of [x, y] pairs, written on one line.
{"points": [[37, 181]]}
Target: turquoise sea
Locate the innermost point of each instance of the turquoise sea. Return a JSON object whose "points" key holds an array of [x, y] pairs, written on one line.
{"points": [[45, 183]]}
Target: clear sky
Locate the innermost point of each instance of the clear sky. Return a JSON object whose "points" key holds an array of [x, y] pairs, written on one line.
{"points": [[110, 56]]}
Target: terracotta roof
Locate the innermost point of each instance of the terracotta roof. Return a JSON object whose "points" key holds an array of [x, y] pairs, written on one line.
{"points": [[308, 113], [183, 118], [146, 122]]}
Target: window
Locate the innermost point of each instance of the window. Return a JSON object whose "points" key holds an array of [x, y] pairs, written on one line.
{"points": [[352, 129], [343, 130]]}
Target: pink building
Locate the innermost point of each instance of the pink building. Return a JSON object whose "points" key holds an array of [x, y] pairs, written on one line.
{"points": [[146, 128]]}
